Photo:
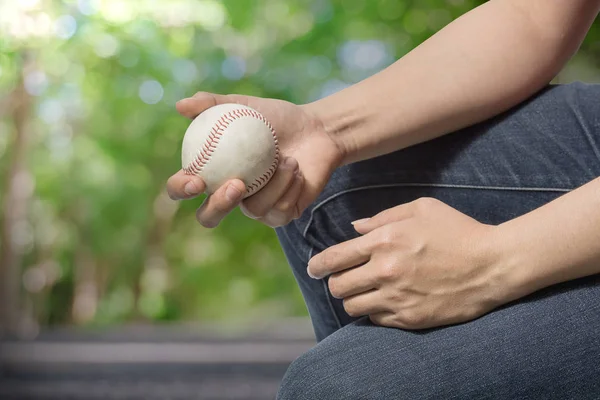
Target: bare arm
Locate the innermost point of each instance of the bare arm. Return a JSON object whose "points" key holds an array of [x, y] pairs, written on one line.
{"points": [[424, 264], [554, 243], [480, 65], [483, 63]]}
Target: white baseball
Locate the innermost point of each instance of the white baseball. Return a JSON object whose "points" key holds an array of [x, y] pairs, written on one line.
{"points": [[230, 141]]}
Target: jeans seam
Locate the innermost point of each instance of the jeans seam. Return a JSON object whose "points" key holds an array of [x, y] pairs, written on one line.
{"points": [[443, 185], [330, 198], [585, 128], [588, 137], [326, 290]]}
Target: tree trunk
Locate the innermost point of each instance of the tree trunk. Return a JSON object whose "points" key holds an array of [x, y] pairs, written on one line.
{"points": [[14, 210]]}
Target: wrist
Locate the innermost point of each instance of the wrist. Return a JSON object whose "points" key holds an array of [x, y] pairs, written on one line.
{"points": [[512, 263], [337, 124]]}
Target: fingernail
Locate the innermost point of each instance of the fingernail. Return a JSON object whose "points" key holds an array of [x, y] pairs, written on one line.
{"points": [[290, 163], [360, 221], [232, 193], [309, 274], [190, 188]]}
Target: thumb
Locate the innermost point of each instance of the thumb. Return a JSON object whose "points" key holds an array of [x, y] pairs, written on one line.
{"points": [[192, 106], [398, 213]]}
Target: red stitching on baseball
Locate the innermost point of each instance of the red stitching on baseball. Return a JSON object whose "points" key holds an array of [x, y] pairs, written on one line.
{"points": [[206, 151]]}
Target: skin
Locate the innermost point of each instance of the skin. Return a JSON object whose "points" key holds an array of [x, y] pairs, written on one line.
{"points": [[311, 152], [450, 268], [424, 264]]}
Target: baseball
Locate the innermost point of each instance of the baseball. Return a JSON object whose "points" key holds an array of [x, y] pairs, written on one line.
{"points": [[230, 141]]}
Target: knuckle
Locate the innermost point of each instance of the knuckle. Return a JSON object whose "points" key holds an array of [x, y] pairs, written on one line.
{"points": [[387, 271], [412, 319], [363, 249], [382, 216], [426, 203], [246, 208], [254, 211], [285, 206], [418, 247], [328, 259], [334, 287], [205, 219], [172, 190], [387, 236], [275, 219], [350, 308], [221, 207]]}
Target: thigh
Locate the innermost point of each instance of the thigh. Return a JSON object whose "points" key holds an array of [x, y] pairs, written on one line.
{"points": [[493, 171], [546, 346]]}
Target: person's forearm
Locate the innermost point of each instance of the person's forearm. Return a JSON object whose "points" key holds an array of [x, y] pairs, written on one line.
{"points": [[480, 65], [555, 243]]}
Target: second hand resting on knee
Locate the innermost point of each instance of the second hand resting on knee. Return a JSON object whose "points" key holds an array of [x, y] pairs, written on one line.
{"points": [[424, 264], [478, 66]]}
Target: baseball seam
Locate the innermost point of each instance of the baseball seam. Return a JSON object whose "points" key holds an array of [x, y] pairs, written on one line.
{"points": [[214, 136]]}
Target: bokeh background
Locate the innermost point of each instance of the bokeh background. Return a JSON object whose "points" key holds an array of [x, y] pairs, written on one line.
{"points": [[89, 135]]}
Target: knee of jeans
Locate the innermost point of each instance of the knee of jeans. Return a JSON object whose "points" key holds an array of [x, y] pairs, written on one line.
{"points": [[310, 377], [297, 378]]}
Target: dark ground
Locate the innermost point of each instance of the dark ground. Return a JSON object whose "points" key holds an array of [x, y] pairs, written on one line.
{"points": [[151, 363]]}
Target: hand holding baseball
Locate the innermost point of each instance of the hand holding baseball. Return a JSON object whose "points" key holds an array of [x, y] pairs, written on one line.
{"points": [[307, 157]]}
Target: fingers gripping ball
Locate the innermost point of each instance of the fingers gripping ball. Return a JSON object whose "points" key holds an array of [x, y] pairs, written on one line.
{"points": [[231, 141]]}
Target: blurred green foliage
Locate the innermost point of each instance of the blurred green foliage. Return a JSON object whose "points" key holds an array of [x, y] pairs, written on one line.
{"points": [[89, 87]]}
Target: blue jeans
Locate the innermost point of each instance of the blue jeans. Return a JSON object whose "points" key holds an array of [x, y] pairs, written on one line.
{"points": [[544, 346]]}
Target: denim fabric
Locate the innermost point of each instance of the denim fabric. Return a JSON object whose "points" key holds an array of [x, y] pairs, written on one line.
{"points": [[544, 346]]}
